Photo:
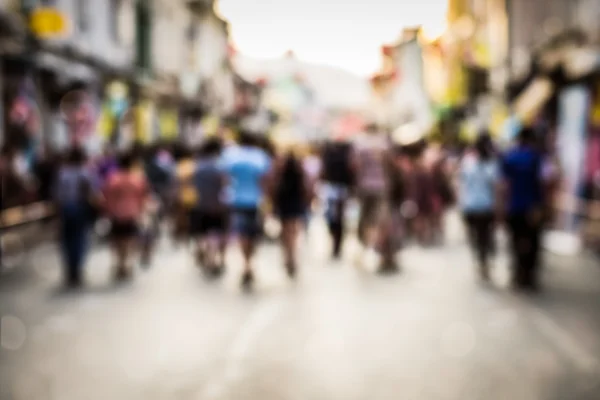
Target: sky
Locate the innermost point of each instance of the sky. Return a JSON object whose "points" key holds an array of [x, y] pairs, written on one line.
{"points": [[341, 33]]}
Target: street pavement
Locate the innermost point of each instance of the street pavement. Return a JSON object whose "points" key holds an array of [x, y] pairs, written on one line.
{"points": [[339, 332]]}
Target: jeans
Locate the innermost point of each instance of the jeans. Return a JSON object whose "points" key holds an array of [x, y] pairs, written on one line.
{"points": [[525, 234], [335, 201], [480, 227], [74, 239]]}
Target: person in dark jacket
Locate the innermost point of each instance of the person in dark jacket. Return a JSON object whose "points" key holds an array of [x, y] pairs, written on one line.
{"points": [[338, 176], [76, 190], [522, 175], [291, 195]]}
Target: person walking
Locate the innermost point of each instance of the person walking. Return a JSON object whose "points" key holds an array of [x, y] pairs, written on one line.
{"points": [[209, 217], [478, 188], [370, 157], [292, 193], [338, 176], [126, 195], [392, 223], [185, 195], [312, 169], [523, 192], [248, 168], [76, 196]]}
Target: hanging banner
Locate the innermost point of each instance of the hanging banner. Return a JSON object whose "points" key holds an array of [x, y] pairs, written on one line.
{"points": [[117, 93], [456, 92], [144, 125], [169, 124], [210, 125], [106, 123], [574, 105], [499, 117]]}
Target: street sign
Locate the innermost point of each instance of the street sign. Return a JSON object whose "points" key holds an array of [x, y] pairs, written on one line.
{"points": [[47, 22]]}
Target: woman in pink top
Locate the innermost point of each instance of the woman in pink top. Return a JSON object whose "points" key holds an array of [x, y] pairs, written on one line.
{"points": [[126, 194]]}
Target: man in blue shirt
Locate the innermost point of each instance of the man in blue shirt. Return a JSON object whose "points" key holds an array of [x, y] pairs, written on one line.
{"points": [[247, 167], [522, 173]]}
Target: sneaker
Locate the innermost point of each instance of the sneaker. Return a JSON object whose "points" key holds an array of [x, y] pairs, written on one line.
{"points": [[484, 273], [291, 269], [387, 268], [247, 279], [123, 274], [217, 271], [74, 283], [145, 261], [200, 258]]}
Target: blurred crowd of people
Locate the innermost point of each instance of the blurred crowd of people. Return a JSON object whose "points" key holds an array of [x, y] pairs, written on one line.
{"points": [[224, 189]]}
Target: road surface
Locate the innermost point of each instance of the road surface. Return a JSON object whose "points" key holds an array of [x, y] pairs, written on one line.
{"points": [[339, 332]]}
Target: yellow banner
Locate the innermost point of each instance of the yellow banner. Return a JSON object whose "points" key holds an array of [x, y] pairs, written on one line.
{"points": [[468, 131], [456, 92], [499, 116], [106, 123], [210, 125], [143, 122], [169, 124], [482, 55]]}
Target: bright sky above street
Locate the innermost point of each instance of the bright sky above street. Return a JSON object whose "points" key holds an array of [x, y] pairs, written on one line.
{"points": [[339, 33]]}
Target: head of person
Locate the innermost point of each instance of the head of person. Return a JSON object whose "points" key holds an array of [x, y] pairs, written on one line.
{"points": [[248, 139], [76, 157], [314, 149], [148, 153], [108, 150], [371, 129], [211, 148], [527, 137], [483, 146], [127, 160]]}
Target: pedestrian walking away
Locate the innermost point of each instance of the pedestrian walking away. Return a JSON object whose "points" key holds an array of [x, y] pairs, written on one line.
{"points": [[209, 217], [126, 194], [76, 196], [338, 177], [247, 167], [523, 193], [478, 183], [291, 194]]}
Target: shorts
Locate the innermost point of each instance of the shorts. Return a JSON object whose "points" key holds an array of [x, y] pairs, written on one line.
{"points": [[247, 222], [205, 222], [371, 209], [290, 211], [124, 229]]}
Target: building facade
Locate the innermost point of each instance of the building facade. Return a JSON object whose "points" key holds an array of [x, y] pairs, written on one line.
{"points": [[212, 53], [400, 94]]}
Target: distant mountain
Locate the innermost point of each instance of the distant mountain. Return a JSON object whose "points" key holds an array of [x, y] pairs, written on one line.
{"points": [[333, 87]]}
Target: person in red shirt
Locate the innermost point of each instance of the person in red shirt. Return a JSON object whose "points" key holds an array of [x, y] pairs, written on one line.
{"points": [[126, 195]]}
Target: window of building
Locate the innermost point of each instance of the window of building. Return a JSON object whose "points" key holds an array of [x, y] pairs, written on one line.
{"points": [[113, 19], [82, 10]]}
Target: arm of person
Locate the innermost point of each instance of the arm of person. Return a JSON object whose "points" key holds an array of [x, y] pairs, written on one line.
{"points": [[96, 194], [269, 176], [309, 188], [502, 188]]}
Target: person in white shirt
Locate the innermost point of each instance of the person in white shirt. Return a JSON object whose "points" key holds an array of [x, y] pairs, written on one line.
{"points": [[479, 178]]}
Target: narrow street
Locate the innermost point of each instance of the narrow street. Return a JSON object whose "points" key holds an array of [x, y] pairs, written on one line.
{"points": [[339, 332]]}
